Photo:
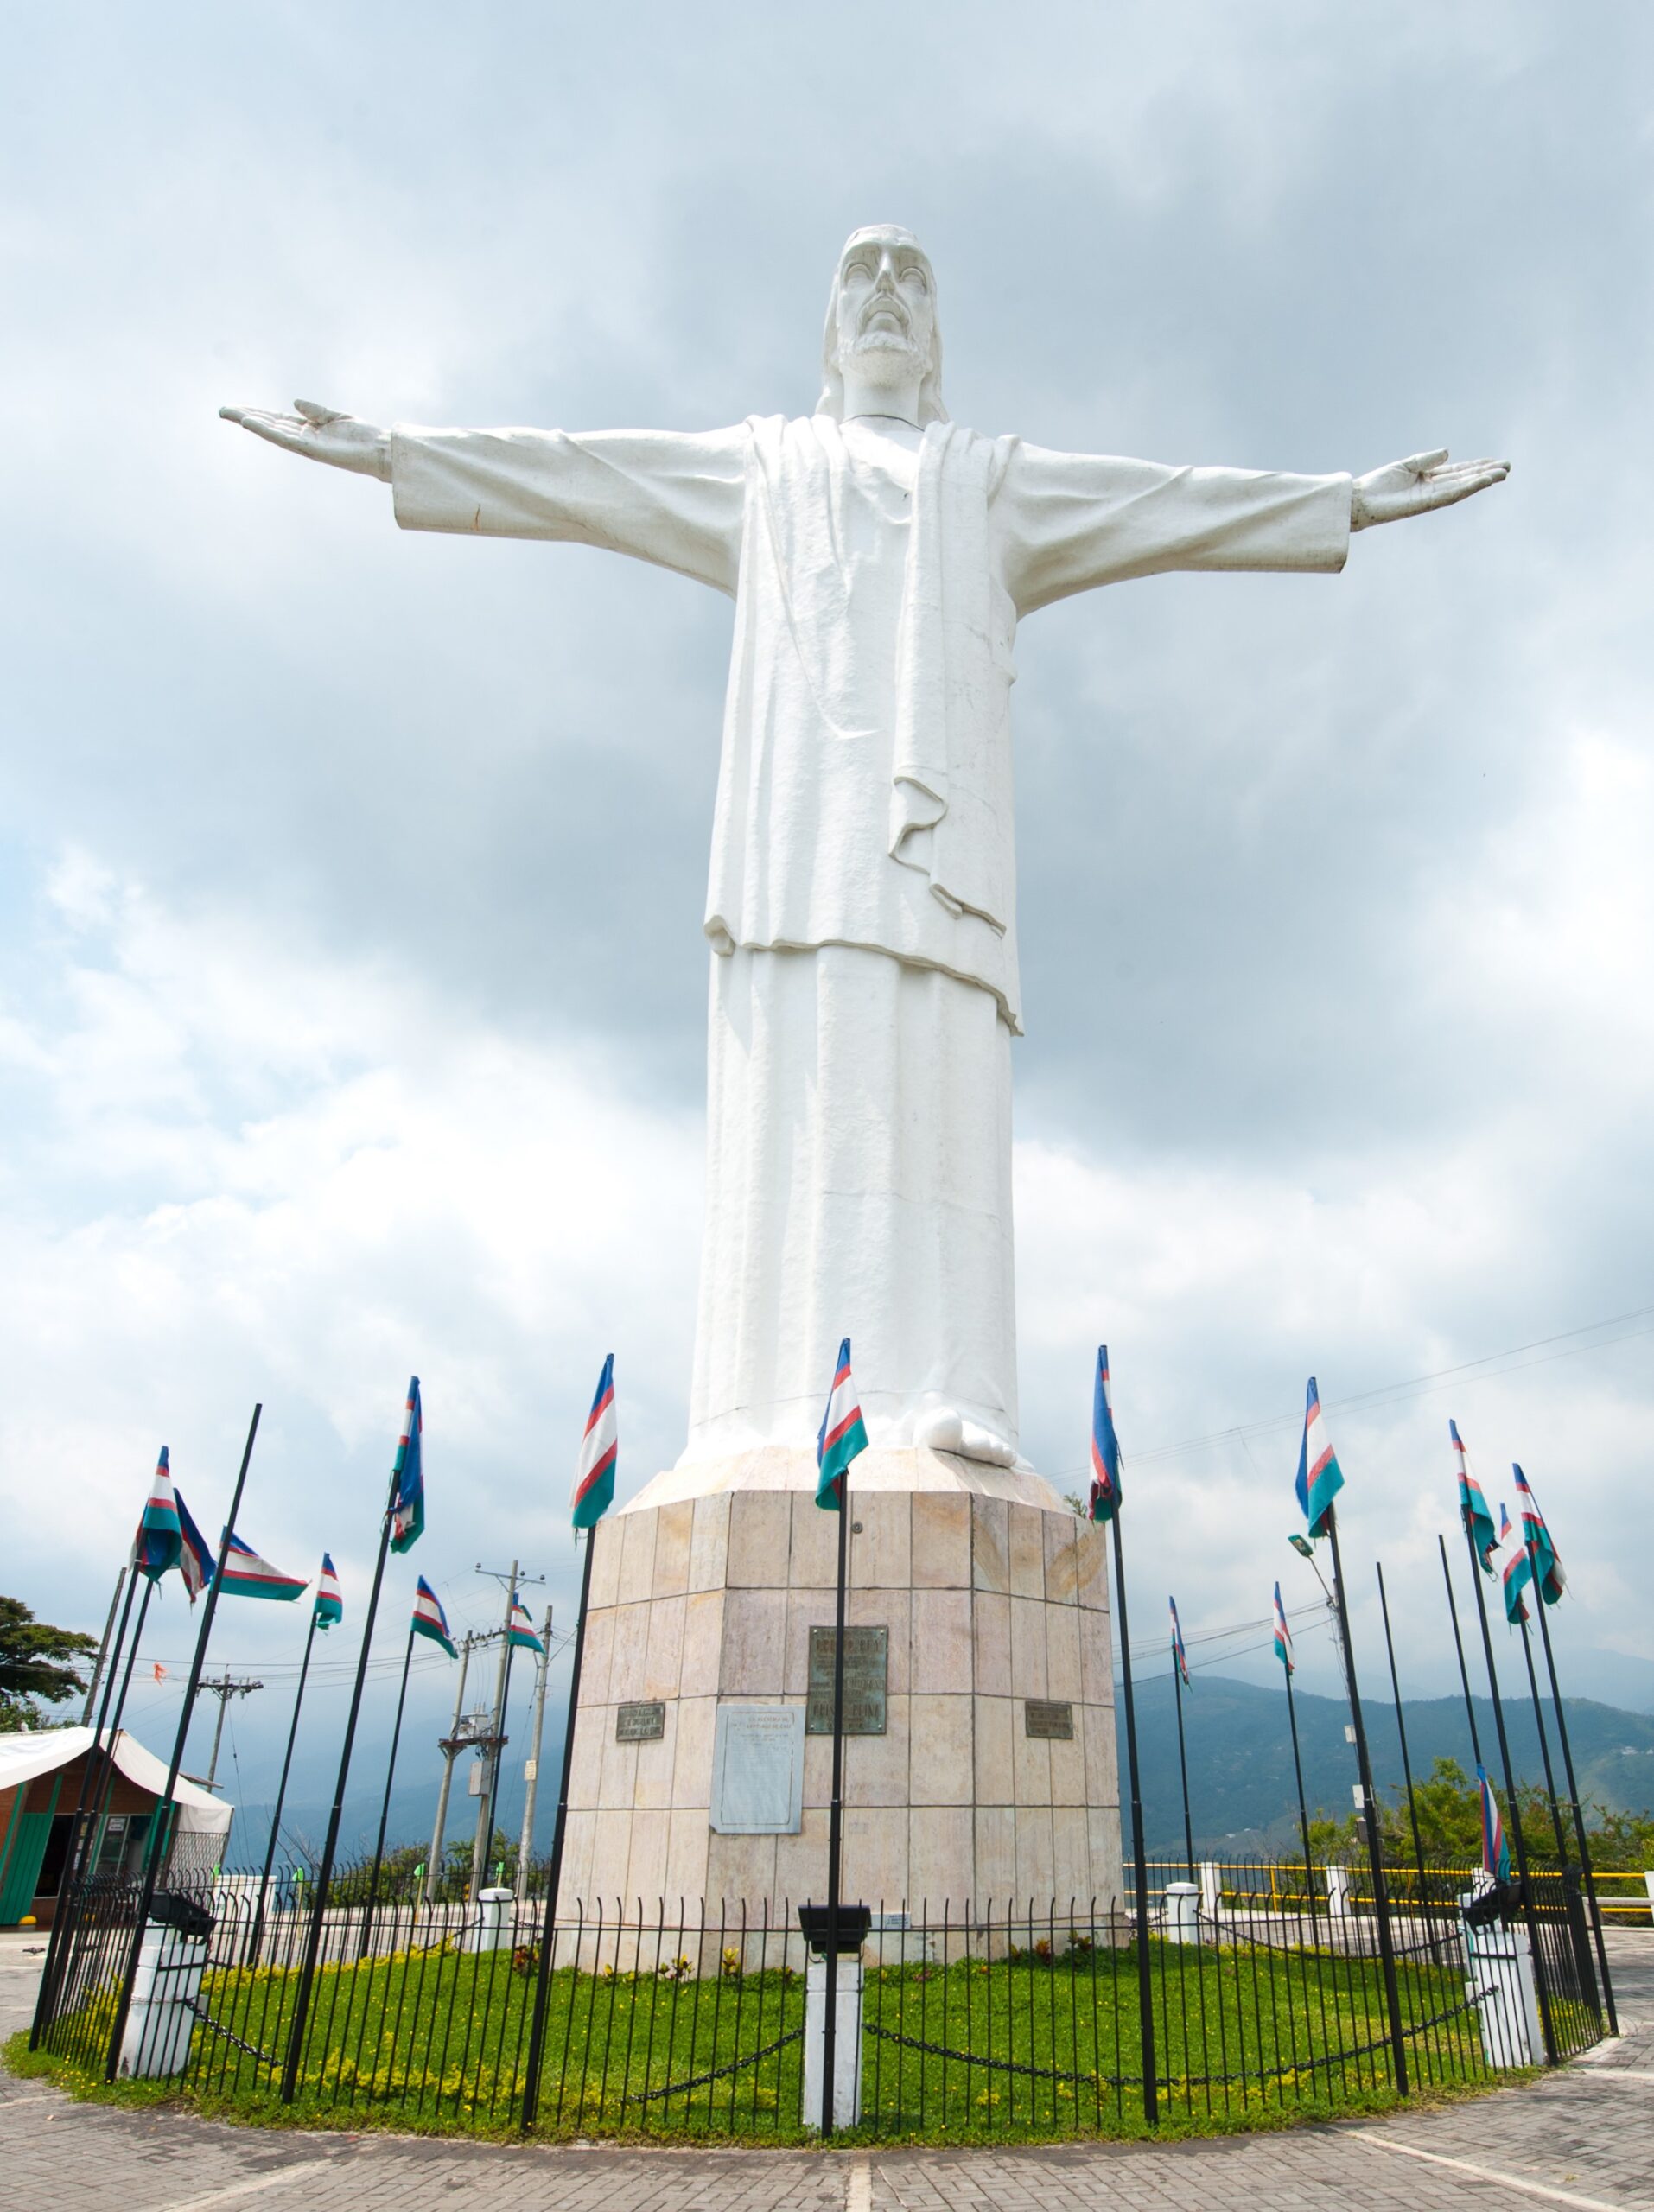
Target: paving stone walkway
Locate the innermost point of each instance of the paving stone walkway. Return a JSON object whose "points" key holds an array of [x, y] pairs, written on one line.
{"points": [[1582, 2138]]}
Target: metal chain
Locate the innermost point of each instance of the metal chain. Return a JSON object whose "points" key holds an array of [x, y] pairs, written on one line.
{"points": [[229, 2034], [718, 2073]]}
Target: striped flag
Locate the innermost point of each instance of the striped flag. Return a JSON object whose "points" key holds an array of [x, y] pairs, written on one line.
{"points": [[408, 1510], [520, 1635], [195, 1563], [330, 1599], [844, 1435], [1552, 1580], [1519, 1572], [1319, 1477], [600, 1450], [1472, 1505], [246, 1575], [160, 1538], [1282, 1633], [1104, 1502], [1496, 1853], [1178, 1653], [428, 1618]]}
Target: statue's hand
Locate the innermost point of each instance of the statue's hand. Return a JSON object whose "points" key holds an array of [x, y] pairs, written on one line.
{"points": [[1413, 487], [320, 434]]}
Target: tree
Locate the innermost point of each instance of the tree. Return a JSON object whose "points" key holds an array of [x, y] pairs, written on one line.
{"points": [[35, 1663]]}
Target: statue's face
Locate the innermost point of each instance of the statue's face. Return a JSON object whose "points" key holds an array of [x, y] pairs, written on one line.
{"points": [[886, 307]]}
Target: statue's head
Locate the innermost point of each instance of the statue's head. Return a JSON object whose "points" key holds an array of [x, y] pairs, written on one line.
{"points": [[882, 308]]}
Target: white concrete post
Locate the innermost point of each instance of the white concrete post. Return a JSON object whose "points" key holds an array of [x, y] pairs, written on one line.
{"points": [[1337, 1892], [1649, 1878], [159, 2022], [494, 1925], [847, 2041], [1500, 1963], [1181, 1921], [1212, 1887]]}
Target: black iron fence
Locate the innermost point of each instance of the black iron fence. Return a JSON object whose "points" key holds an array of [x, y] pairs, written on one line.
{"points": [[1268, 1997]]}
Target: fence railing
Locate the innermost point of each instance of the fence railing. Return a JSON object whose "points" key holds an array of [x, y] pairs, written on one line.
{"points": [[1632, 1905], [1009, 2020]]}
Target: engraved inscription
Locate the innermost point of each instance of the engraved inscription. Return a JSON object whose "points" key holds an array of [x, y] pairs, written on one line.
{"points": [[1052, 1718], [644, 1723], [866, 1666]]}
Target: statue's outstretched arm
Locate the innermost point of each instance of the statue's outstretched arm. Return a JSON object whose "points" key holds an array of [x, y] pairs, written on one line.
{"points": [[321, 434], [1415, 486]]}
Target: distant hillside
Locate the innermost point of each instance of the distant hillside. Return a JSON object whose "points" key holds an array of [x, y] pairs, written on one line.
{"points": [[1241, 1785]]}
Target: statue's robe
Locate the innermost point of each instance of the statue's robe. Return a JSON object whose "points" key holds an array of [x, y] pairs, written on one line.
{"points": [[861, 900]]}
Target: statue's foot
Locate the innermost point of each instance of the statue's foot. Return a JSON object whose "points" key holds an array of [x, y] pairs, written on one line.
{"points": [[940, 1428]]}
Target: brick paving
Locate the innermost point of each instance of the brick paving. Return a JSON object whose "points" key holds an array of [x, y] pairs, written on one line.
{"points": [[1583, 2137]]}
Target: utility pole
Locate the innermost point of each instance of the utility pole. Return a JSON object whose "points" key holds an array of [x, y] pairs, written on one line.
{"points": [[227, 1686], [460, 1737], [532, 1763], [497, 1737]]}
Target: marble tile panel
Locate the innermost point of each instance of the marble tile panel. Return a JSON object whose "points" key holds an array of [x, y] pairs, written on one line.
{"points": [[653, 1778], [1068, 1764], [805, 1609], [892, 1609], [1062, 1652], [631, 1651], [636, 1556], [761, 1536], [941, 1856], [875, 1856], [1108, 1872], [1030, 1760], [576, 1887], [995, 1857], [739, 1868], [941, 1539], [814, 1560], [1096, 1724], [607, 1540], [1027, 1552], [1028, 1671], [990, 1562], [673, 1527], [881, 1556], [663, 1654], [817, 1771], [687, 1838], [693, 1724], [801, 1863], [876, 1767], [942, 1652], [994, 1773], [1096, 1657], [703, 1644], [611, 1848], [1091, 1567], [755, 1643], [708, 1543], [991, 1643], [645, 1865], [1071, 1856], [599, 1652], [618, 1785], [1036, 1871], [939, 1760], [1061, 1533], [593, 1729]]}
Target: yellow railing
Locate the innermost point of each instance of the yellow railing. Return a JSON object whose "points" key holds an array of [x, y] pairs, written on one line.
{"points": [[1635, 1910]]}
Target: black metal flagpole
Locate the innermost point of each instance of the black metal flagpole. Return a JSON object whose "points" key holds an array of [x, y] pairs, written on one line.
{"points": [[836, 1815], [554, 1870], [1459, 1646], [257, 1936], [1370, 1821], [1183, 1762], [104, 1652], [1140, 1863], [384, 1807], [1401, 1731], [1303, 1807], [1583, 1961], [160, 1837]]}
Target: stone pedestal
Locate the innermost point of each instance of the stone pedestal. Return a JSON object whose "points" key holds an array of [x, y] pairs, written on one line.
{"points": [[704, 1590]]}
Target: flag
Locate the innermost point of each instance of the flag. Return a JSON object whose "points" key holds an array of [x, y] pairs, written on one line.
{"points": [[195, 1563], [1319, 1477], [1472, 1504], [159, 1672], [1282, 1633], [330, 1599], [160, 1538], [520, 1635], [1178, 1652], [844, 1435], [1519, 1572], [428, 1618], [246, 1575], [599, 1449], [1496, 1853], [1104, 1502], [408, 1508], [1552, 1580]]}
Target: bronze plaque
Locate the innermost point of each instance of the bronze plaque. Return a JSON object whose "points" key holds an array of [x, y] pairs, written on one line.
{"points": [[639, 1724], [867, 1667], [1052, 1718]]}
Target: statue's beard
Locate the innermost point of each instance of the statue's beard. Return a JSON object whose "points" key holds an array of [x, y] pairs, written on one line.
{"points": [[884, 356]]}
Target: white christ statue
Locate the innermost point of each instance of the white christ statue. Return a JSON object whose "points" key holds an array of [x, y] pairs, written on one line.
{"points": [[861, 906]]}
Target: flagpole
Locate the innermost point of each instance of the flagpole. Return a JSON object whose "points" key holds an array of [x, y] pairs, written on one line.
{"points": [[324, 1872], [385, 1808], [1370, 1812], [1528, 1911], [1140, 1864], [532, 1762], [554, 1870], [1581, 1940], [160, 1837], [1401, 1731], [836, 1812], [96, 1781], [257, 1934], [1303, 1807], [490, 1798], [1574, 1799], [450, 1751], [1459, 1646], [1183, 1765], [103, 1649]]}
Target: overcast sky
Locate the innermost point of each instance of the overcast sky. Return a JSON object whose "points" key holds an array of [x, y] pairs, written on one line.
{"points": [[352, 984]]}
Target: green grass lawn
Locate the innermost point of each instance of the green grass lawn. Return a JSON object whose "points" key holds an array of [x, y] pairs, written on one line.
{"points": [[435, 2042]]}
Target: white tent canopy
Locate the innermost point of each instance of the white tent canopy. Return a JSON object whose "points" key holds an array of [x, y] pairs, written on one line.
{"points": [[26, 1752]]}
